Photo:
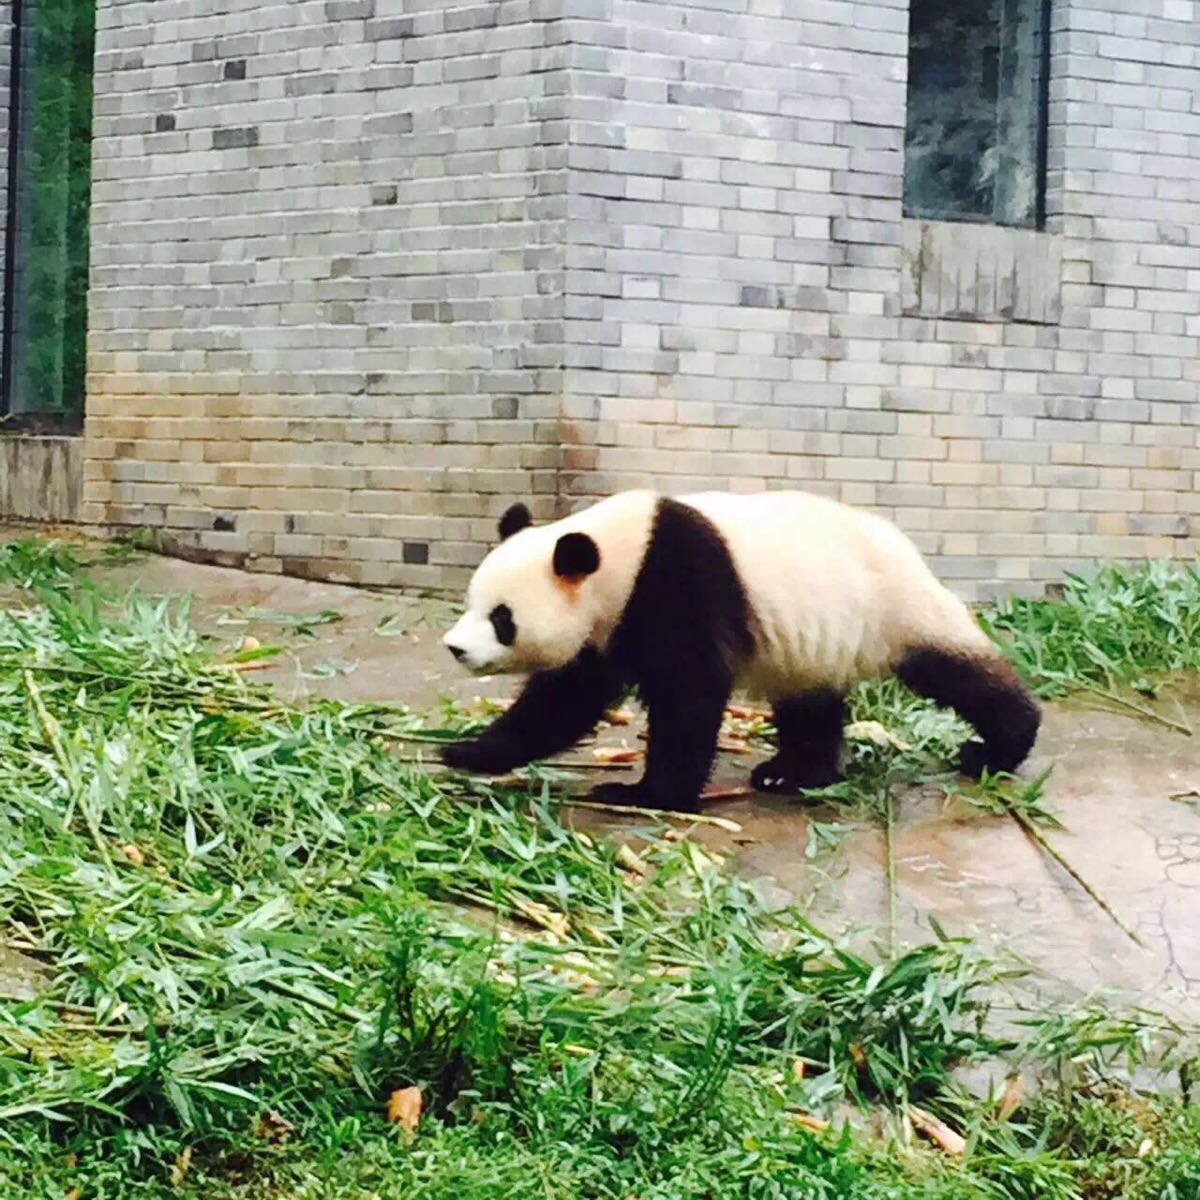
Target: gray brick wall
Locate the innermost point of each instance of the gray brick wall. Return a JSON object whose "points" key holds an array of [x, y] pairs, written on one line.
{"points": [[365, 270], [735, 285], [326, 313]]}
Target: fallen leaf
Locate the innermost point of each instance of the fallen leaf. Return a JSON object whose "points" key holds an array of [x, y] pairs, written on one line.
{"points": [[616, 754], [274, 1128], [733, 745], [250, 643], [798, 1069], [808, 1121], [1011, 1098], [182, 1164], [739, 712], [134, 854], [859, 1056], [404, 1108], [731, 793], [73, 1194], [937, 1131], [619, 716]]}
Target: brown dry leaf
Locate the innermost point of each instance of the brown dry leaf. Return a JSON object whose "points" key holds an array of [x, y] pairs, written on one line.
{"points": [[938, 1132], [1011, 1099], [733, 745], [73, 1194], [859, 1056], [181, 1166], [619, 716], [739, 712], [616, 754], [730, 793], [799, 1069], [134, 854], [808, 1121], [404, 1108], [274, 1128]]}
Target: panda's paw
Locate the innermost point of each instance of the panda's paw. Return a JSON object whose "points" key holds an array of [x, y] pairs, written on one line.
{"points": [[636, 795], [478, 756], [778, 777]]}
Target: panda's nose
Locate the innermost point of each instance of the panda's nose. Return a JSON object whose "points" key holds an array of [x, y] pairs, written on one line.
{"points": [[457, 651]]}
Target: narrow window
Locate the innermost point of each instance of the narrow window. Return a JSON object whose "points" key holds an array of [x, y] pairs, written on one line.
{"points": [[975, 145], [49, 193]]}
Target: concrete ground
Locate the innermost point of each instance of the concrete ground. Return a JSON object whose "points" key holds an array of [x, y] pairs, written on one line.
{"points": [[1128, 793]]}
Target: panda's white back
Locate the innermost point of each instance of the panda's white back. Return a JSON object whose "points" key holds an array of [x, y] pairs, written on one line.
{"points": [[838, 594]]}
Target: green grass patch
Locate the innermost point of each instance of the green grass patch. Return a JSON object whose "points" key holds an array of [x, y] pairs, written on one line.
{"points": [[256, 922]]}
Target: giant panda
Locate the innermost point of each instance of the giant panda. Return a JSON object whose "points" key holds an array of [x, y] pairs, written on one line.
{"points": [[788, 595]]}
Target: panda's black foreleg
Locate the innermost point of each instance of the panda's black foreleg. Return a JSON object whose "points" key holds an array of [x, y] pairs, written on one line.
{"points": [[810, 743], [985, 690], [685, 720], [554, 710]]}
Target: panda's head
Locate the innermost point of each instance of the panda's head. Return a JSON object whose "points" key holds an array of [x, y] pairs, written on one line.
{"points": [[530, 606]]}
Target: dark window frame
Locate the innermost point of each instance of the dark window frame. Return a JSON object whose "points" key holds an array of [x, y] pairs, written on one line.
{"points": [[21, 108], [1038, 145]]}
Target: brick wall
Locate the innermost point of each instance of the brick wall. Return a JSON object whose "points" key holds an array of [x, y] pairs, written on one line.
{"points": [[365, 270], [736, 285], [327, 278]]}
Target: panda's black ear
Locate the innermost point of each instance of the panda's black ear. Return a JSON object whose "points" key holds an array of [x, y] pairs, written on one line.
{"points": [[575, 555], [514, 520]]}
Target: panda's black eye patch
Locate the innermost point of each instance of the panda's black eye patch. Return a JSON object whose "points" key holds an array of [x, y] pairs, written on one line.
{"points": [[502, 622]]}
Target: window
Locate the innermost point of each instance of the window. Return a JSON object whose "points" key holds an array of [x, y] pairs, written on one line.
{"points": [[49, 190], [975, 145]]}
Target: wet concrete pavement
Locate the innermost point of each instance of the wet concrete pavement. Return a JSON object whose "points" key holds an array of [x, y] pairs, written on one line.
{"points": [[1128, 793]]}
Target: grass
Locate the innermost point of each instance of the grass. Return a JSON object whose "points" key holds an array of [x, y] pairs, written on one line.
{"points": [[255, 923]]}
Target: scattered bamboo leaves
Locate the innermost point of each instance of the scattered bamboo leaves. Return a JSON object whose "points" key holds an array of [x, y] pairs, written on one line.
{"points": [[301, 929]]}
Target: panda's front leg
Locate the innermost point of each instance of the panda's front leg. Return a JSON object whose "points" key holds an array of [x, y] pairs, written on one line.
{"points": [[685, 720], [554, 710]]}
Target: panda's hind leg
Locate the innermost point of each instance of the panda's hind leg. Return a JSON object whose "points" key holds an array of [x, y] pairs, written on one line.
{"points": [[982, 687], [810, 743]]}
